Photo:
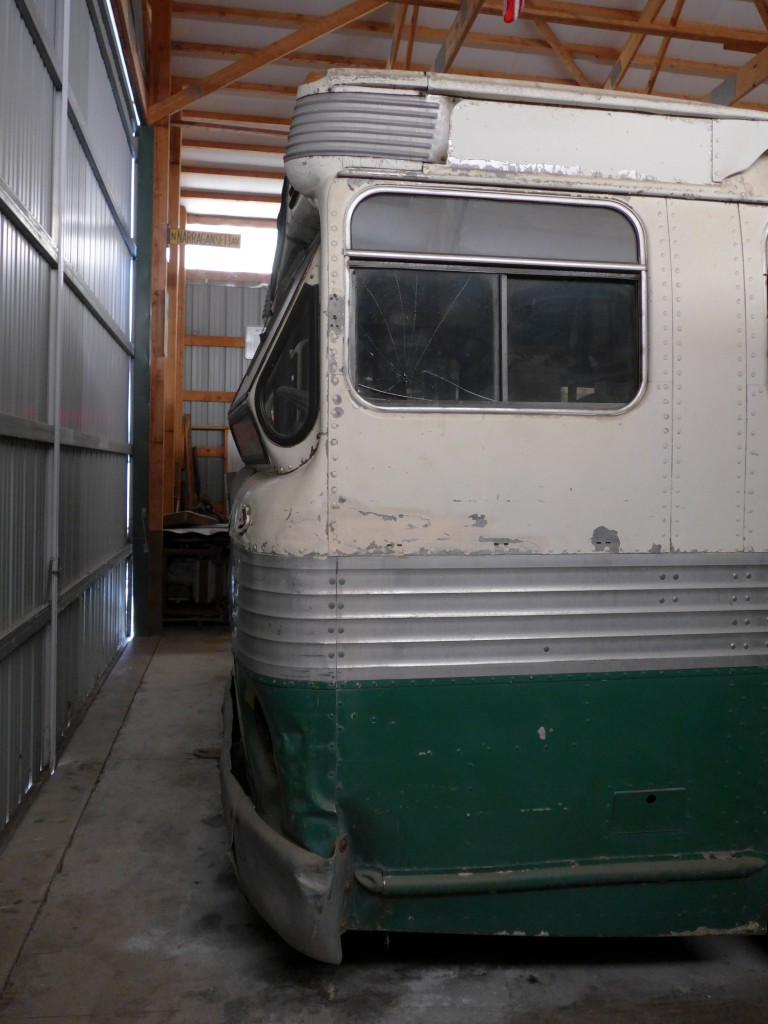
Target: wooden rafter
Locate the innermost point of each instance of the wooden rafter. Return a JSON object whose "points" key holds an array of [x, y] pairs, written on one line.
{"points": [[662, 54], [742, 82], [608, 19], [220, 219], [762, 10], [232, 147], [633, 44], [313, 29], [397, 35], [457, 33], [412, 32], [603, 18], [222, 171], [190, 192], [229, 122], [561, 51], [254, 88], [590, 51]]}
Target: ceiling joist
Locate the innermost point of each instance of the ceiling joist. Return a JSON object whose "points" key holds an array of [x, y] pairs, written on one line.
{"points": [[314, 28], [238, 110]]}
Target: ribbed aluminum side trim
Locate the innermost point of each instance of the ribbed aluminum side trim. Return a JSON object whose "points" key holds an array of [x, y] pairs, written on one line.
{"points": [[363, 124], [449, 616]]}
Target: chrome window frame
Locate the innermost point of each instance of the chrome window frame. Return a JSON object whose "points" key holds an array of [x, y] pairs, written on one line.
{"points": [[430, 259]]}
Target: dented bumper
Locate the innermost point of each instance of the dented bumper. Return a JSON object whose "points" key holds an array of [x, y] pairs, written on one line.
{"points": [[300, 894]]}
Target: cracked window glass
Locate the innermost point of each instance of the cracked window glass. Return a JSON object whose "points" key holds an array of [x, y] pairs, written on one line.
{"points": [[426, 336]]}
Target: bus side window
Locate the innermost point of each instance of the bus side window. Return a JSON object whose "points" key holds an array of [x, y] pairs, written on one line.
{"points": [[470, 302], [287, 389]]}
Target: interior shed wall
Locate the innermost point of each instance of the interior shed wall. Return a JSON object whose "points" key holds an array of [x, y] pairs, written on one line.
{"points": [[66, 354]]}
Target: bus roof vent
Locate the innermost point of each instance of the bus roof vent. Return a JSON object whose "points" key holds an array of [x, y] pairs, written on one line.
{"points": [[374, 124]]}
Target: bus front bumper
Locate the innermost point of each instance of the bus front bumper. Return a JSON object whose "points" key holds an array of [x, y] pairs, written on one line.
{"points": [[298, 893]]}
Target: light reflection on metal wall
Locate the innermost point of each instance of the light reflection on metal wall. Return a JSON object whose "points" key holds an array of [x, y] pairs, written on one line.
{"points": [[24, 310], [22, 703], [93, 501], [26, 127], [92, 93], [92, 242], [91, 630], [95, 371], [22, 530], [64, 324]]}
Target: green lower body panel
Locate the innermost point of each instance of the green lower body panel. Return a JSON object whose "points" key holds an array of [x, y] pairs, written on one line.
{"points": [[585, 804]]}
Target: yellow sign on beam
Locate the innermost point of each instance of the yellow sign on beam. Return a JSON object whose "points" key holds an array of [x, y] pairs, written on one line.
{"points": [[178, 236]]}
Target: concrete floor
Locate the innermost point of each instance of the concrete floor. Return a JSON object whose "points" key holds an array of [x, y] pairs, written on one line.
{"points": [[117, 903]]}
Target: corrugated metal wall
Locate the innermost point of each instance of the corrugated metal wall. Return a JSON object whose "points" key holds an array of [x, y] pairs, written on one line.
{"points": [[225, 311], [66, 252]]}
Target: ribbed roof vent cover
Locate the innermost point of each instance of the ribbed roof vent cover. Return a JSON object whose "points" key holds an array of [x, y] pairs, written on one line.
{"points": [[374, 124]]}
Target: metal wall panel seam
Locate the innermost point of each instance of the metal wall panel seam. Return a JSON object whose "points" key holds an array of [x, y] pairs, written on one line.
{"points": [[47, 52], [90, 442], [22, 630], [36, 235], [91, 302], [74, 590], [25, 430]]}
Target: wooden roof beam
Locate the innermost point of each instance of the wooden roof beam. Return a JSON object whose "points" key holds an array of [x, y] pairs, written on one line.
{"points": [[584, 51], [249, 122], [562, 53], [738, 85], [553, 11], [190, 192], [762, 10], [662, 54], [203, 143], [313, 29], [457, 33], [633, 44], [397, 35], [223, 171], [220, 220]]}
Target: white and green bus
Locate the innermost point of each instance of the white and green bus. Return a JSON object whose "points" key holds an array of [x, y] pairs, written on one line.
{"points": [[500, 555]]}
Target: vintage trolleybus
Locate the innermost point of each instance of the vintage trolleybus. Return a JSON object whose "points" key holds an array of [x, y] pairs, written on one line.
{"points": [[500, 570]]}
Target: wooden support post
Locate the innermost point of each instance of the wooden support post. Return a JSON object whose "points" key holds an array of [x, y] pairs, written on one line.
{"points": [[181, 317], [172, 413], [158, 328], [159, 86]]}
